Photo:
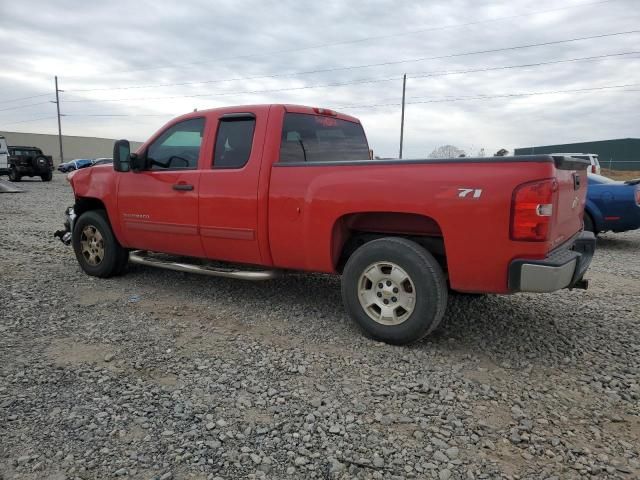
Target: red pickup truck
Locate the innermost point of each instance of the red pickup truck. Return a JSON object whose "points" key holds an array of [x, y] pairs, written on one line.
{"points": [[271, 188]]}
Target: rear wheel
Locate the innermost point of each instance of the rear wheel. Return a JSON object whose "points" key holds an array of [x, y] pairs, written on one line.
{"points": [[14, 176], [46, 177], [395, 290], [96, 248]]}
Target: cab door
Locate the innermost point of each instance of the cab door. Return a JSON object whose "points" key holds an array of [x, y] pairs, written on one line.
{"points": [[229, 189], [158, 206]]}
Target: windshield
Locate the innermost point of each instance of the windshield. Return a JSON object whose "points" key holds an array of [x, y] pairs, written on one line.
{"points": [[25, 152]]}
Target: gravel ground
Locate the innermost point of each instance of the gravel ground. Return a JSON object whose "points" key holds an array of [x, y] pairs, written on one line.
{"points": [[160, 375]]}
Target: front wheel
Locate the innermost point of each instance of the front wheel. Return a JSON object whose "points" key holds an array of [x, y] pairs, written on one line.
{"points": [[395, 290], [96, 248]]}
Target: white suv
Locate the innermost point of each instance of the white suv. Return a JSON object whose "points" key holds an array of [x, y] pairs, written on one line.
{"points": [[4, 157], [593, 159]]}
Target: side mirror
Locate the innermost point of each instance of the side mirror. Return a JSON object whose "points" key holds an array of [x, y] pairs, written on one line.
{"points": [[122, 156], [137, 162]]}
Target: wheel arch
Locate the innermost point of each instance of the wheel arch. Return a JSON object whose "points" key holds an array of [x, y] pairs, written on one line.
{"points": [[595, 213], [84, 204], [352, 230]]}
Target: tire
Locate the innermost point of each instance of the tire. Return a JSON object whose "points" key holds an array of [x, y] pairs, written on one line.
{"points": [[14, 176], [46, 177], [409, 276], [589, 224], [99, 255], [39, 163]]}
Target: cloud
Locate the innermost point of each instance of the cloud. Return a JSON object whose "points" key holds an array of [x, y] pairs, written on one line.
{"points": [[116, 44]]}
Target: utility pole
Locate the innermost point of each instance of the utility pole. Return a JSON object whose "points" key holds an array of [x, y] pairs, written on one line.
{"points": [[57, 102], [404, 87]]}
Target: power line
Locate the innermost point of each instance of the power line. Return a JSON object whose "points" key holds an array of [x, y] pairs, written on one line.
{"points": [[25, 98], [361, 81], [523, 65], [118, 115], [23, 106], [31, 120], [440, 100], [488, 97], [352, 67], [367, 39]]}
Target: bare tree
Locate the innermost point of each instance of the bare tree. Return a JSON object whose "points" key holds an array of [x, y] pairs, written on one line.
{"points": [[447, 151]]}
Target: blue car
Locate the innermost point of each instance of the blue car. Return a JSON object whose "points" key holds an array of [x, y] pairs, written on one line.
{"points": [[75, 165], [612, 205]]}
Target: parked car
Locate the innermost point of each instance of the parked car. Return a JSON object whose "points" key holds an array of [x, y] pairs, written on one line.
{"points": [[612, 205], [591, 157], [102, 161], [77, 164], [29, 162], [286, 187]]}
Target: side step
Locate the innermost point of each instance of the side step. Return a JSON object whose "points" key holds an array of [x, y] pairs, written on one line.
{"points": [[145, 258]]}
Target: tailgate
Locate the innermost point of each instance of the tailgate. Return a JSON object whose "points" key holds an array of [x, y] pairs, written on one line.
{"points": [[571, 174]]}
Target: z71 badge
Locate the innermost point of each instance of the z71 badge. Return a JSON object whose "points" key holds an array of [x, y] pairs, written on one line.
{"points": [[466, 192]]}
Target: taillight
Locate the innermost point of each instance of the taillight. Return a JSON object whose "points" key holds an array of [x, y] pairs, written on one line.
{"points": [[638, 196], [593, 169], [532, 210]]}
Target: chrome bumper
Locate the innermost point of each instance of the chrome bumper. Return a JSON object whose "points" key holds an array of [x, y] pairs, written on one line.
{"points": [[563, 268]]}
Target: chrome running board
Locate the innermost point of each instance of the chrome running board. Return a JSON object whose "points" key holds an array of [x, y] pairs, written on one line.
{"points": [[142, 257]]}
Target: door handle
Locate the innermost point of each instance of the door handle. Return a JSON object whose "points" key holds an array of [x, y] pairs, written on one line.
{"points": [[183, 187]]}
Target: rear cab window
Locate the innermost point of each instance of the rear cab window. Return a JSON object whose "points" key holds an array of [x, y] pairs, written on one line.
{"points": [[319, 138]]}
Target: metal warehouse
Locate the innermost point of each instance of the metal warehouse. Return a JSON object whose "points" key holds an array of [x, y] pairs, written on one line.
{"points": [[74, 146], [618, 154]]}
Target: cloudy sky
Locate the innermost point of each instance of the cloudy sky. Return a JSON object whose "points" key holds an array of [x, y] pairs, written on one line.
{"points": [[127, 67]]}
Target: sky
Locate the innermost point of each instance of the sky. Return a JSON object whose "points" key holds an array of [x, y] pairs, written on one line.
{"points": [[128, 67]]}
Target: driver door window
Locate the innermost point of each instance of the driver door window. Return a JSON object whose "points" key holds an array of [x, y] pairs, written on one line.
{"points": [[178, 148]]}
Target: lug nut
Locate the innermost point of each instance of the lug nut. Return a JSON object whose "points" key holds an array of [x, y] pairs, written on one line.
{"points": [[395, 289], [388, 283], [379, 294], [386, 302], [394, 299], [380, 285]]}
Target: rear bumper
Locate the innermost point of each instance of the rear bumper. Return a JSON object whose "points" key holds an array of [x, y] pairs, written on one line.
{"points": [[563, 268]]}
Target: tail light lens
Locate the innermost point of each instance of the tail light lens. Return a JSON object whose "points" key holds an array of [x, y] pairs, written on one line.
{"points": [[532, 210], [638, 196], [594, 169]]}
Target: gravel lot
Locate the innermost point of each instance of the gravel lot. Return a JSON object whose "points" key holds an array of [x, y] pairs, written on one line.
{"points": [[160, 375]]}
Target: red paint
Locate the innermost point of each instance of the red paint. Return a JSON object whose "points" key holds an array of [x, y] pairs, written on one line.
{"points": [[299, 217], [612, 218]]}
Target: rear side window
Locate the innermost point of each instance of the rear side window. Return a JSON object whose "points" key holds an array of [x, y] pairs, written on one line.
{"points": [[233, 142], [316, 138]]}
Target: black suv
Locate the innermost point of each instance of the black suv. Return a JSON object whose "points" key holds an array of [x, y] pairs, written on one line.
{"points": [[29, 162]]}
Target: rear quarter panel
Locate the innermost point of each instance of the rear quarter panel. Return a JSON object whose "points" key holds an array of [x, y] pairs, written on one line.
{"points": [[613, 206], [306, 203]]}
